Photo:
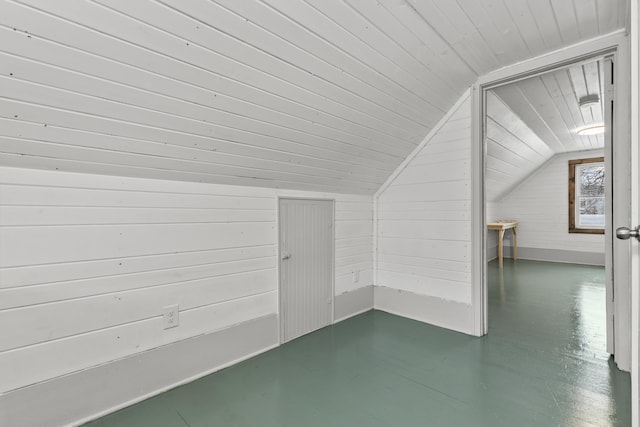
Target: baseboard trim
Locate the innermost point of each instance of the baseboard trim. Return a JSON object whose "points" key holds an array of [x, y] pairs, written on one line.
{"points": [[556, 255], [492, 253], [83, 396], [352, 303], [427, 309]]}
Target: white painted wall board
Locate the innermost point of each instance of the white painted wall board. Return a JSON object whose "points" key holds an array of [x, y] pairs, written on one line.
{"points": [[210, 248], [63, 400], [423, 218], [540, 205]]}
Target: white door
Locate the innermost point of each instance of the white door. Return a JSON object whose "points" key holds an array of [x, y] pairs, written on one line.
{"points": [[306, 266]]}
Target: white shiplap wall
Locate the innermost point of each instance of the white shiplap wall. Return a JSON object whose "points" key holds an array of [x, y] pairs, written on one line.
{"points": [[87, 262], [540, 205], [424, 217]]}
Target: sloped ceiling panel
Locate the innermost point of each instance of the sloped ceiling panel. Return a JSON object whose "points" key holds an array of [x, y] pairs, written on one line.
{"points": [[533, 119], [514, 151], [316, 95], [550, 105]]}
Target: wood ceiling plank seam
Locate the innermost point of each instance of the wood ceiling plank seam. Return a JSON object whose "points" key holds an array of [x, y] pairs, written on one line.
{"points": [[499, 43], [52, 133], [114, 185], [587, 17], [593, 79], [453, 24], [546, 23], [400, 108], [172, 151], [261, 18], [536, 93], [501, 116], [498, 179], [579, 85], [384, 25], [500, 146], [565, 85], [500, 17], [38, 114], [567, 19], [359, 171], [526, 28], [424, 31], [171, 121], [331, 75], [108, 130], [624, 14], [27, 147], [185, 83], [607, 12], [516, 148], [504, 161], [17, 45], [36, 162], [351, 110], [409, 42], [276, 66], [383, 64], [53, 194], [551, 84], [519, 103], [495, 173], [31, 72]]}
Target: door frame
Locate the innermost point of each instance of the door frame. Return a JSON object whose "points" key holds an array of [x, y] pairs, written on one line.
{"points": [[634, 90], [614, 43], [279, 259]]}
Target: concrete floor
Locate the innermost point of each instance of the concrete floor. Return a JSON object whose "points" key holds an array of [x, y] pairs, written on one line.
{"points": [[542, 364]]}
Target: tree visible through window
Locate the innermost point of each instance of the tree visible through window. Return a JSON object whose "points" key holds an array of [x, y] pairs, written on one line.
{"points": [[586, 196]]}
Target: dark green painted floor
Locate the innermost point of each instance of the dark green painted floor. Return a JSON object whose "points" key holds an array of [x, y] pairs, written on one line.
{"points": [[542, 364]]}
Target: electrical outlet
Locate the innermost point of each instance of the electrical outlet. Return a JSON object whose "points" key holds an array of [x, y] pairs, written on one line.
{"points": [[356, 276], [171, 316]]}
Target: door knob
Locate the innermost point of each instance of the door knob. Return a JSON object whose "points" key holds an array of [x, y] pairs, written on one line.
{"points": [[286, 256], [625, 233]]}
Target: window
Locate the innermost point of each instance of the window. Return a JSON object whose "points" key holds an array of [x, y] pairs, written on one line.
{"points": [[586, 196]]}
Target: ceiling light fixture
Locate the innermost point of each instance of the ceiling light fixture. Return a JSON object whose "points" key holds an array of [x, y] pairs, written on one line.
{"points": [[589, 101], [592, 129]]}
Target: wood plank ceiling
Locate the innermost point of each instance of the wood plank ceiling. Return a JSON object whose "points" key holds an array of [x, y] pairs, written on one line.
{"points": [[314, 95], [531, 120]]}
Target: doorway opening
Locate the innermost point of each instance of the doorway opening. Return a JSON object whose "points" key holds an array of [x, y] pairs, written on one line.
{"points": [[532, 128]]}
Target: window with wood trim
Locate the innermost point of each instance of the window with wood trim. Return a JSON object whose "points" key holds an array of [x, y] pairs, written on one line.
{"points": [[586, 196]]}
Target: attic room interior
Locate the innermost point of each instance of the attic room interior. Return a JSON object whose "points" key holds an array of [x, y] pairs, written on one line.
{"points": [[320, 213]]}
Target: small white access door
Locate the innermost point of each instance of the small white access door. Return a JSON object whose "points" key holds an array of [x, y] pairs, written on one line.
{"points": [[306, 266]]}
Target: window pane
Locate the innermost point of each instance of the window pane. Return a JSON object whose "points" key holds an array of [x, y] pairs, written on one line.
{"points": [[591, 211], [592, 180]]}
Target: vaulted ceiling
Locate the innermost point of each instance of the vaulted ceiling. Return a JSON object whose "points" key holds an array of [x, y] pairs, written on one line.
{"points": [[315, 94], [531, 120]]}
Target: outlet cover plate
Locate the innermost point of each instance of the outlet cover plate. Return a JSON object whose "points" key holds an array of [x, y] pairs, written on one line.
{"points": [[171, 316]]}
